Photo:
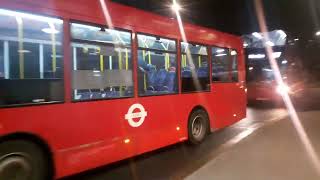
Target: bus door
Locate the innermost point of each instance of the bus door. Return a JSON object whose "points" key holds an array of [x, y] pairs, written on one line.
{"points": [[151, 120], [228, 87]]}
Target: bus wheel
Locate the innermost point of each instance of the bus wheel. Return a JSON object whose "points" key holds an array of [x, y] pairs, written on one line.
{"points": [[198, 126], [22, 160]]}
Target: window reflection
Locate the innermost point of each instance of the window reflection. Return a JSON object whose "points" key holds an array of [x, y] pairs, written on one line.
{"points": [[102, 65], [194, 68], [224, 65], [157, 66], [156, 43], [2, 74], [30, 58], [100, 34]]}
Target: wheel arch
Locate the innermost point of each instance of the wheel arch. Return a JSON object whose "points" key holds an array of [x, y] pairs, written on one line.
{"points": [[197, 107], [36, 140]]}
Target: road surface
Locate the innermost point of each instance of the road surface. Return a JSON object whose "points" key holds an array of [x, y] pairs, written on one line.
{"points": [[180, 161]]}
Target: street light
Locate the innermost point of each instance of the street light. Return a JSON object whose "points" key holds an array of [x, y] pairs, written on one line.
{"points": [[175, 6]]}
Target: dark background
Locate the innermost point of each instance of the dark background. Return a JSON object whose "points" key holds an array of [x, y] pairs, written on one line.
{"points": [[299, 18]]}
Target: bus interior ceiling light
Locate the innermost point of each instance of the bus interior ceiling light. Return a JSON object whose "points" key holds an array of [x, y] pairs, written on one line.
{"points": [[24, 51], [257, 56], [220, 50], [218, 55], [30, 16], [276, 54], [233, 53], [269, 43], [257, 35], [262, 56], [268, 70], [283, 35], [50, 30]]}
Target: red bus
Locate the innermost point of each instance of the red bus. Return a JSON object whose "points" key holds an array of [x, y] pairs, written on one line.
{"points": [[260, 78], [75, 94]]}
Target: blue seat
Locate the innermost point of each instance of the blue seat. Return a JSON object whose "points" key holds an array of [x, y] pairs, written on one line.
{"points": [[170, 81], [83, 95], [186, 72], [160, 79], [203, 72], [129, 91], [151, 76], [112, 93], [96, 95]]}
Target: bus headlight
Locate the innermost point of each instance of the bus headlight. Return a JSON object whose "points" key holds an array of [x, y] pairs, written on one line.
{"points": [[282, 88]]}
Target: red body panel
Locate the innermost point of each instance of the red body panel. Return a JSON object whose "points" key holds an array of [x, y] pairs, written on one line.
{"points": [[263, 91], [85, 135]]}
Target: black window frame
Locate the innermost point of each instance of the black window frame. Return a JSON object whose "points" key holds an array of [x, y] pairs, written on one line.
{"points": [[229, 54], [208, 47], [63, 44], [159, 51], [93, 42]]}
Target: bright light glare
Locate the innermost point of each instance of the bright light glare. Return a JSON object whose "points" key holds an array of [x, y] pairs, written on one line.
{"points": [[284, 62], [318, 33], [245, 44], [250, 68], [233, 53], [296, 39], [310, 150], [106, 14], [257, 35], [175, 6], [269, 43], [283, 35], [261, 56], [257, 56], [282, 89], [218, 55], [266, 69], [220, 50], [276, 54], [126, 141], [50, 31]]}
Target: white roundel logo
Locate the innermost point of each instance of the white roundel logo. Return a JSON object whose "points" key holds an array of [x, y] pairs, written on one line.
{"points": [[132, 114]]}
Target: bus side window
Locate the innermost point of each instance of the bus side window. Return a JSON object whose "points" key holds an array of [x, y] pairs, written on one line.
{"points": [[194, 68], [2, 76], [102, 65], [31, 67], [224, 65], [157, 66], [234, 65]]}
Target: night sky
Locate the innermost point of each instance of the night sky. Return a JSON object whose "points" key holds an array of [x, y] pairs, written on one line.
{"points": [[300, 18]]}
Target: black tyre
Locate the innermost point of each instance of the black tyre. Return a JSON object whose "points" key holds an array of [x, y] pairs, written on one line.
{"points": [[22, 160], [198, 126]]}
